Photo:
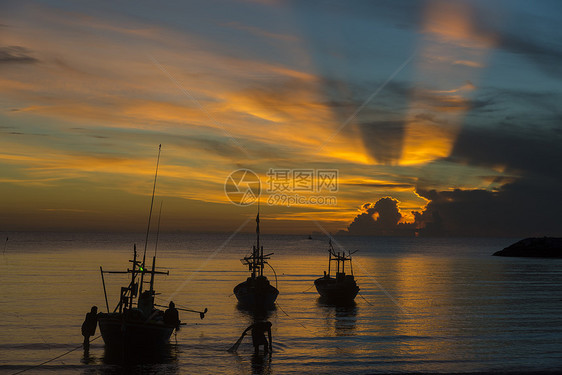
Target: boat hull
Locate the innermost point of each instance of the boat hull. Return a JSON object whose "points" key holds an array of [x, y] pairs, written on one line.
{"points": [[118, 331], [256, 295], [337, 291]]}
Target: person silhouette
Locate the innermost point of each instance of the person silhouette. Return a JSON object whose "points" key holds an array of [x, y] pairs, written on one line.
{"points": [[171, 315], [89, 325], [259, 329]]}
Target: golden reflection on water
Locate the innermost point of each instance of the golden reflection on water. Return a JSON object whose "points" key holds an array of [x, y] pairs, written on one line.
{"points": [[414, 311], [418, 289]]}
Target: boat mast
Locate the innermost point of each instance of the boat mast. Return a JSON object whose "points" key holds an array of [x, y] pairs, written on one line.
{"points": [[338, 263], [330, 256], [260, 248], [149, 218], [155, 250], [257, 257], [129, 303]]}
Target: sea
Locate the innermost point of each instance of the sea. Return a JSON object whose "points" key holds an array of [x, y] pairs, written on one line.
{"points": [[426, 305]]}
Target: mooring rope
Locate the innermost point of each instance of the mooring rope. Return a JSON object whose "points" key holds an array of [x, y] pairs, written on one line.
{"points": [[360, 295], [52, 359], [302, 325], [306, 290], [274, 273], [296, 320]]}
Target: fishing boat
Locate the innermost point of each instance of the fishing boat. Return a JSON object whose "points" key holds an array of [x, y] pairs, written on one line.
{"points": [[256, 292], [342, 288], [136, 321]]}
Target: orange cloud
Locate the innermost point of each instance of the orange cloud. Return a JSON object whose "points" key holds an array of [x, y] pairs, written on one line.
{"points": [[454, 22], [452, 41], [472, 64]]}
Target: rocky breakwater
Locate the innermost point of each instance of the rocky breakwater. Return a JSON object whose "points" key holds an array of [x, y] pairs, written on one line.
{"points": [[536, 247]]}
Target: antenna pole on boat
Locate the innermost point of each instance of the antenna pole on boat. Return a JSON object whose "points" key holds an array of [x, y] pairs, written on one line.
{"points": [[338, 262], [260, 248], [257, 249], [133, 274], [104, 290], [149, 217], [155, 250], [152, 275], [330, 257], [158, 230]]}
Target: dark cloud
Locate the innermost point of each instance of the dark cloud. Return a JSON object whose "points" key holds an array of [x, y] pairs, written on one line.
{"points": [[384, 140], [527, 202], [402, 14], [537, 45], [520, 209], [533, 36], [16, 54], [528, 151], [524, 105], [380, 219]]}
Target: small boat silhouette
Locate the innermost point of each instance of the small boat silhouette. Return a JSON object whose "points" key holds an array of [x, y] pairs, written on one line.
{"points": [[256, 292], [342, 288]]}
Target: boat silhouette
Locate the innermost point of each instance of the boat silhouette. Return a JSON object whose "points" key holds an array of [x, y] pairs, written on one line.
{"points": [[339, 289], [136, 321], [256, 293]]}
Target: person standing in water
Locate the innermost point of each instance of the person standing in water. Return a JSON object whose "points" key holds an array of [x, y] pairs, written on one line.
{"points": [[258, 337], [89, 325]]}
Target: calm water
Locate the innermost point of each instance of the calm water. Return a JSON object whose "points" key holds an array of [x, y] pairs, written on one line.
{"points": [[425, 305]]}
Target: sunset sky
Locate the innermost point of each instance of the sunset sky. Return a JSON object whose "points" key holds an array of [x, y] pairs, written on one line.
{"points": [[441, 117]]}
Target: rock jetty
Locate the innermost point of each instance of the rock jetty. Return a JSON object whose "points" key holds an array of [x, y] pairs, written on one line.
{"points": [[536, 247]]}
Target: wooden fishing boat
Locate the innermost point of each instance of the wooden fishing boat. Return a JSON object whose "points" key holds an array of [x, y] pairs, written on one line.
{"points": [[256, 292], [136, 321], [339, 289]]}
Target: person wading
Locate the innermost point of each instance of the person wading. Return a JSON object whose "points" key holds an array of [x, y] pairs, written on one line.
{"points": [[89, 325], [258, 337]]}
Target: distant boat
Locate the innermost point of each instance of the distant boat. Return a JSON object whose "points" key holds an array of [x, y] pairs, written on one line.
{"points": [[256, 292], [309, 237], [342, 288]]}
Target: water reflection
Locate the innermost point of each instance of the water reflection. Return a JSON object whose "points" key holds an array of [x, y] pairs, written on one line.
{"points": [[88, 359], [256, 314], [261, 364], [342, 316], [159, 358]]}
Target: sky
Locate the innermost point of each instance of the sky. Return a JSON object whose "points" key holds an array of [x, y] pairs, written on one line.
{"points": [[437, 118]]}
